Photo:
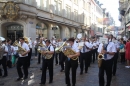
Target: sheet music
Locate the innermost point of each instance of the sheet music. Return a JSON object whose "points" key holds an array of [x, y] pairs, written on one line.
{"points": [[43, 49], [103, 40], [81, 43]]}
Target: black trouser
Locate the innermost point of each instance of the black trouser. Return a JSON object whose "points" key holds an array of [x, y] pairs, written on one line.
{"points": [[122, 57], [29, 57], [3, 61], [35, 51], [105, 67], [84, 59], [96, 53], [9, 61], [62, 60], [71, 64], [56, 58], [39, 58], [93, 55], [22, 61], [115, 58], [89, 58], [47, 63]]}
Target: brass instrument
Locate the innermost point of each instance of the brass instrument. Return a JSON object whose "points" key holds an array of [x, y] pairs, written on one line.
{"points": [[2, 50], [26, 40], [20, 49], [47, 56], [100, 58], [40, 45], [68, 51], [59, 49]]}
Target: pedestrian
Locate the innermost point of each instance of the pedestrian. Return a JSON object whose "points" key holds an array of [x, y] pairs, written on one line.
{"points": [[122, 50], [127, 54]]}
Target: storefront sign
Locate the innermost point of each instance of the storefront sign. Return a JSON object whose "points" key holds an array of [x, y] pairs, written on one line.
{"points": [[54, 28]]}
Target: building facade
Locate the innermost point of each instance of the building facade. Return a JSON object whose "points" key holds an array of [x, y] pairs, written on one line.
{"points": [[46, 18]]}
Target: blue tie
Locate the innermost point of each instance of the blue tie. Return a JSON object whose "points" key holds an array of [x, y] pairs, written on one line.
{"points": [[83, 49], [105, 48]]}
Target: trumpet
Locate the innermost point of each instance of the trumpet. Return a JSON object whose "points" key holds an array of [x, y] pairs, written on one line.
{"points": [[20, 49], [69, 51]]}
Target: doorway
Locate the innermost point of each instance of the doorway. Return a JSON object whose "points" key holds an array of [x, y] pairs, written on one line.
{"points": [[12, 31]]}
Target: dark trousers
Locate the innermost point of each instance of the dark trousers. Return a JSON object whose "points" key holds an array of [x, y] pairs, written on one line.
{"points": [[89, 58], [35, 51], [84, 61], [115, 58], [122, 57], [96, 53], [62, 60], [57, 58], [73, 66], [93, 55], [47, 63], [39, 58], [3, 62], [22, 61], [29, 57], [105, 67]]}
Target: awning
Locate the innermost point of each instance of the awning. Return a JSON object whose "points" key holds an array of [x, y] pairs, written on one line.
{"points": [[121, 31], [99, 33]]}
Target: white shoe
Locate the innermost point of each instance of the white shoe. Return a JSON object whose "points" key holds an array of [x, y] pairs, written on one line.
{"points": [[127, 66]]}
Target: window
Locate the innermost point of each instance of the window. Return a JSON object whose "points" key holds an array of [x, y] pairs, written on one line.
{"points": [[68, 11], [46, 3], [57, 7], [84, 4], [75, 15], [76, 1]]}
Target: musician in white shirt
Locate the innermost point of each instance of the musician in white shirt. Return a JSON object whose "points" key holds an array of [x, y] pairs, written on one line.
{"points": [[73, 64], [84, 56], [3, 58], [35, 43], [22, 61], [108, 50]]}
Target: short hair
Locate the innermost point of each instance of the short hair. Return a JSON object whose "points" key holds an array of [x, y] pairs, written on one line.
{"points": [[8, 40], [48, 41], [21, 38], [71, 39]]}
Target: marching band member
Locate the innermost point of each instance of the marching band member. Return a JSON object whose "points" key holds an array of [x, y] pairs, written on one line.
{"points": [[115, 56], [39, 53], [84, 56], [94, 50], [3, 58], [35, 43], [30, 53], [62, 59], [22, 61], [47, 63], [108, 51], [97, 45], [73, 64]]}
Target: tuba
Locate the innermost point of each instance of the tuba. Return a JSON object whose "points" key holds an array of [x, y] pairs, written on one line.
{"points": [[2, 47], [47, 56], [26, 39], [40, 45], [69, 51], [20, 49]]}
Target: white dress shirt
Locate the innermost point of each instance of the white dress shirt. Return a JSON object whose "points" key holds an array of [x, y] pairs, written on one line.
{"points": [[51, 47], [26, 47], [75, 48], [6, 50]]}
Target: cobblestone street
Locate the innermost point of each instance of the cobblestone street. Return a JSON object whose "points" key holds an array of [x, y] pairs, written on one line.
{"points": [[90, 79]]}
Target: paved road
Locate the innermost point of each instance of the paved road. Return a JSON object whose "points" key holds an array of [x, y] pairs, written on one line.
{"points": [[90, 79]]}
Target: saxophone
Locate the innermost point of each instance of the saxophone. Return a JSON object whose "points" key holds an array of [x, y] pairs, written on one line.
{"points": [[68, 51]]}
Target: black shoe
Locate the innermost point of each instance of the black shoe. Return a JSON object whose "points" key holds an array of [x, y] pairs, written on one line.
{"points": [[42, 84], [81, 73], [61, 70], [68, 84], [25, 78], [50, 82], [73, 85], [18, 79], [4, 76], [40, 68], [85, 71]]}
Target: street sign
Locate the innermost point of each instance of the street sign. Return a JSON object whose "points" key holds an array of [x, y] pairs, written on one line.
{"points": [[54, 28]]}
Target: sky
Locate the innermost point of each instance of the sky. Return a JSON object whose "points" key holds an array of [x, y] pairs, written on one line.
{"points": [[112, 7]]}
